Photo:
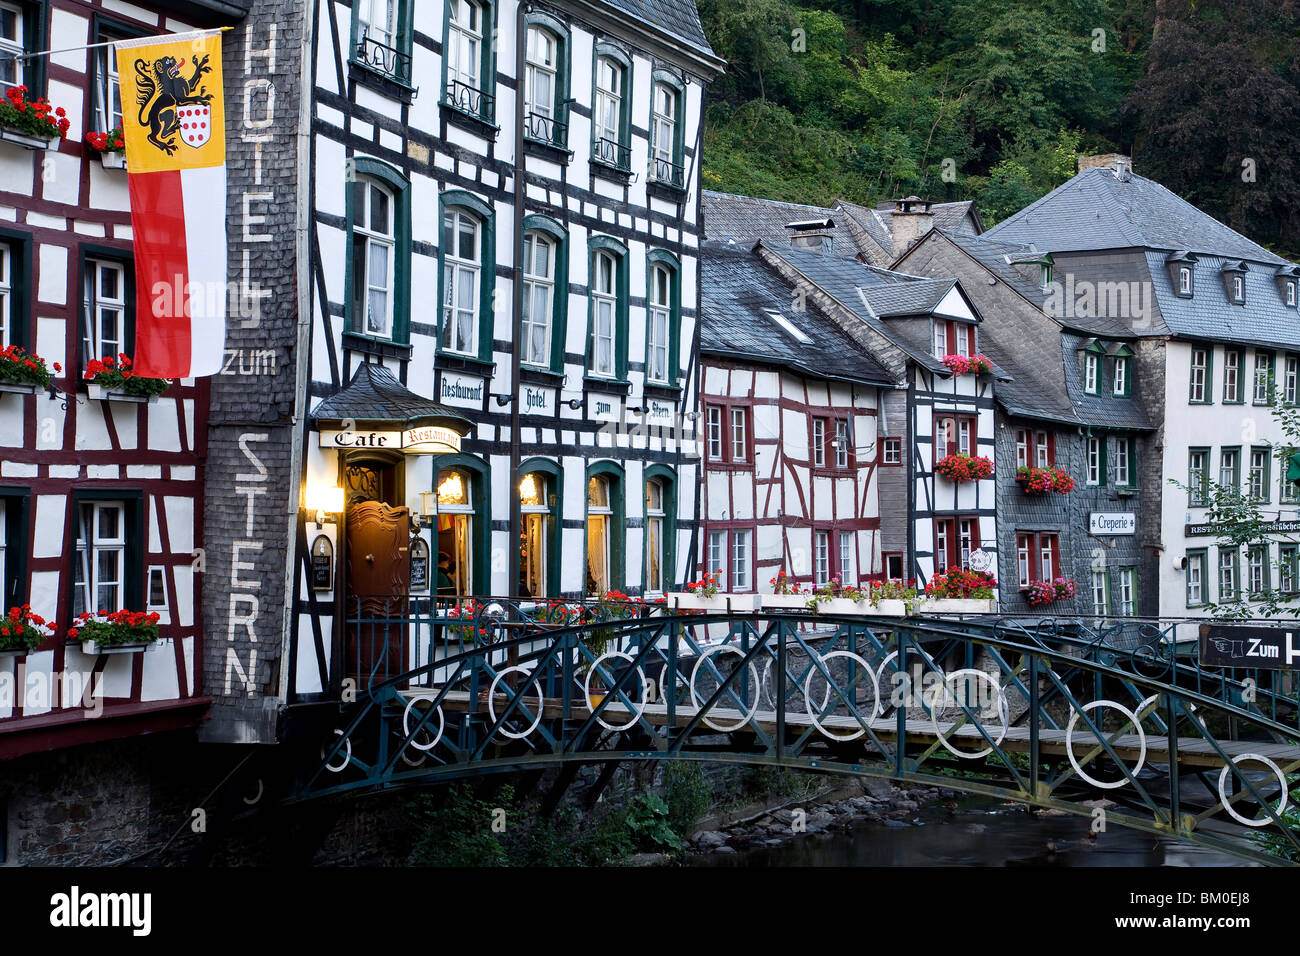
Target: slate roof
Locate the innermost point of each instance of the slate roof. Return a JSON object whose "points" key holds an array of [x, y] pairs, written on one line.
{"points": [[744, 220], [1264, 318], [1097, 210], [680, 18], [996, 256], [738, 290], [947, 215], [872, 223], [376, 399], [907, 298], [1104, 410]]}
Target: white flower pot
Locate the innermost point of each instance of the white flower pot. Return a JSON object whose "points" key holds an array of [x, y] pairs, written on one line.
{"points": [[785, 602], [957, 606], [100, 393], [113, 160], [891, 607], [21, 388], [844, 606], [719, 604], [92, 649], [26, 140]]}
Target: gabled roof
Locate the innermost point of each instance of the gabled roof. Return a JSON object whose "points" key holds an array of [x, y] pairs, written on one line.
{"points": [[678, 18], [947, 215], [376, 399], [1099, 210], [921, 297], [998, 256], [739, 291]]}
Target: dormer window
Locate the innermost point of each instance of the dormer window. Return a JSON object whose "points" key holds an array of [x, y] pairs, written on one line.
{"points": [[1238, 289], [1184, 280], [1091, 368], [1290, 292], [1181, 266], [1045, 275], [1234, 281]]}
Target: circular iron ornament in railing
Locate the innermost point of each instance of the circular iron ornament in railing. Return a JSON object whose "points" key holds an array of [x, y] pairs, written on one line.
{"points": [[641, 684], [912, 693], [1223, 796], [695, 700], [406, 726], [346, 753], [767, 684], [1002, 713], [492, 711], [1142, 743], [807, 685], [679, 685]]}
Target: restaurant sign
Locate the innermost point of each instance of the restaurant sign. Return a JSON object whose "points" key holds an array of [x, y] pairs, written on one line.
{"points": [[1112, 522], [1267, 527], [425, 440]]}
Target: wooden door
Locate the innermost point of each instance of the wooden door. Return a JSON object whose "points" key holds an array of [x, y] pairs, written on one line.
{"points": [[378, 581]]}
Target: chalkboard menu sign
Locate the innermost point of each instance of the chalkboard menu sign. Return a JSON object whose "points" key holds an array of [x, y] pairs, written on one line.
{"points": [[322, 564], [419, 565]]}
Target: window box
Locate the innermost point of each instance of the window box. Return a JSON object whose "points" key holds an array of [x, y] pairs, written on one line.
{"points": [[27, 140], [959, 467], [842, 605], [113, 160], [92, 649], [784, 602], [104, 394], [957, 606], [20, 388], [719, 603], [1045, 481], [12, 652]]}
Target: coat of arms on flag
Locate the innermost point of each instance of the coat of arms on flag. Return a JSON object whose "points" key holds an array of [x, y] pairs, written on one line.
{"points": [[174, 125]]}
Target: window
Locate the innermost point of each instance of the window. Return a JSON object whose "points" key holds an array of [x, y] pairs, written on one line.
{"points": [[104, 332], [99, 573], [1100, 594], [1258, 475], [6, 295], [377, 20], [539, 298], [609, 118], [1263, 377], [654, 537], [819, 442], [1289, 379], [718, 554], [1036, 449], [607, 310], [953, 434], [1198, 477], [461, 241], [1286, 568], [953, 338], [1227, 575], [940, 339], [382, 38], [1096, 455], [1091, 370], [665, 135], [1184, 280], [156, 592], [107, 92], [1195, 578], [541, 88], [1230, 468], [1127, 591], [1231, 376], [893, 561], [1199, 391], [1121, 376], [535, 534], [1238, 289], [821, 557], [954, 540], [464, 60], [373, 256], [15, 26], [1126, 462], [1290, 292], [893, 451], [1045, 276], [1038, 556], [842, 443], [846, 557], [455, 532], [600, 516], [1290, 489], [1257, 570], [663, 319], [728, 433], [740, 559]]}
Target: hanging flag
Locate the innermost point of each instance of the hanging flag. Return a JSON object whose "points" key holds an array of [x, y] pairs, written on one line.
{"points": [[173, 121]]}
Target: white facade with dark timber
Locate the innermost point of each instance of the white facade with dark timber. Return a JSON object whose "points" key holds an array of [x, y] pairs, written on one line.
{"points": [[453, 178]]}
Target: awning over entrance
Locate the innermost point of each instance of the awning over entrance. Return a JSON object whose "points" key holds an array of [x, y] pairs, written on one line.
{"points": [[375, 410]]}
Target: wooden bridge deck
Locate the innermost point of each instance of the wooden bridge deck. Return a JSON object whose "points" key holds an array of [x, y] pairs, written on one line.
{"points": [[1194, 752]]}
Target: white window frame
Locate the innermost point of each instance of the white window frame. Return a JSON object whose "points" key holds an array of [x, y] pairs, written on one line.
{"points": [[1263, 372], [713, 423], [892, 451], [108, 90], [821, 557], [658, 332], [1256, 476], [367, 25], [1256, 561], [819, 442], [846, 557], [1238, 289], [1184, 280], [1127, 591], [607, 112], [718, 555], [541, 65], [15, 45], [655, 521], [605, 511], [1231, 364], [1290, 292], [1091, 365], [1022, 447], [739, 434], [1195, 580], [741, 560], [465, 43], [1092, 453], [604, 313], [1122, 476], [6, 295], [99, 307], [456, 269], [841, 443], [1228, 560], [539, 298], [374, 239], [1100, 593], [940, 338], [1289, 379], [1197, 374], [663, 129], [1234, 476], [1024, 569], [91, 545], [1120, 385]]}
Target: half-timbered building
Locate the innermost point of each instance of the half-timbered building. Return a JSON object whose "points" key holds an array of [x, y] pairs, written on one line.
{"points": [[504, 247]]}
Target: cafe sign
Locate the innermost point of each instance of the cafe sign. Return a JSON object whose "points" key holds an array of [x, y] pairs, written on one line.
{"points": [[1112, 522], [424, 440]]}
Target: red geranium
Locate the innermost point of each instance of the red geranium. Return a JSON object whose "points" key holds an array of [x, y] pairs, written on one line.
{"points": [[19, 365], [32, 117], [962, 467]]}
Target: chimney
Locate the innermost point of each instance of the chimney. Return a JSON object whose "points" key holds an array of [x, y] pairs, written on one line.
{"points": [[812, 234], [1121, 165], [910, 221]]}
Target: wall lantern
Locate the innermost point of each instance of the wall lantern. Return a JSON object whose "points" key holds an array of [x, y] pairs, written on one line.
{"points": [[323, 499]]}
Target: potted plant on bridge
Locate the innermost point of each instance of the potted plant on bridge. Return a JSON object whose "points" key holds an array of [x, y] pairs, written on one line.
{"points": [[894, 598], [21, 631], [23, 371], [785, 594], [116, 632], [702, 595], [960, 592]]}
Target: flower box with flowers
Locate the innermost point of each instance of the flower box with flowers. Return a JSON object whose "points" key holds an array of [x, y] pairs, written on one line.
{"points": [[22, 371], [21, 631], [834, 597], [1042, 481], [111, 148], [702, 595], [116, 632], [959, 467], [893, 598], [960, 592], [32, 124], [108, 378], [1045, 592], [785, 595], [973, 365]]}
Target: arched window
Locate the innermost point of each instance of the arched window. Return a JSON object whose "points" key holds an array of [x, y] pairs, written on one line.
{"points": [[373, 257], [539, 298], [541, 85], [455, 533], [464, 53], [599, 539], [462, 264], [609, 114], [604, 314], [534, 544], [665, 144]]}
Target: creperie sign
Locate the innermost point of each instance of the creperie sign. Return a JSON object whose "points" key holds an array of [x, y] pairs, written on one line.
{"points": [[425, 440]]}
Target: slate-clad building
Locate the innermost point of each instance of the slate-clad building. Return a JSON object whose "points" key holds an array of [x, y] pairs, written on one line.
{"points": [[1211, 318], [1048, 417]]}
